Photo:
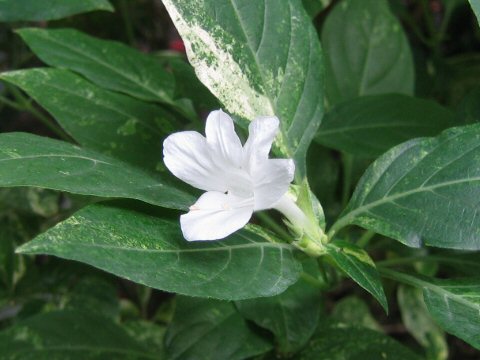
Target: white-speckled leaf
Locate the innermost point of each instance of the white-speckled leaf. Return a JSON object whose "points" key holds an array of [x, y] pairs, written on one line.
{"points": [[358, 265], [109, 64], [70, 335], [423, 192], [152, 251], [259, 58], [30, 160], [112, 123]]}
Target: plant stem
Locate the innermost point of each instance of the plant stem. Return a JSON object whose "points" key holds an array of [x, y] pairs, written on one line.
{"points": [[273, 225], [365, 238], [347, 165], [127, 21], [402, 277], [23, 104], [312, 280], [423, 258]]}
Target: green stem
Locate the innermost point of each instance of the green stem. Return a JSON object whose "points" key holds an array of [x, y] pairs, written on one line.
{"points": [[347, 166], [365, 238], [11, 103], [424, 258], [312, 280], [273, 225], [23, 104], [127, 21], [402, 277]]}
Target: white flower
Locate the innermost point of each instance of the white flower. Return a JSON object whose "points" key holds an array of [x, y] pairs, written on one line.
{"points": [[238, 180]]}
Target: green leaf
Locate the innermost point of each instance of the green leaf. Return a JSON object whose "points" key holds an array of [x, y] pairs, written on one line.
{"points": [[367, 52], [153, 252], [353, 311], [102, 120], [34, 10], [314, 7], [423, 192], [258, 58], [109, 64], [187, 85], [291, 316], [356, 263], [455, 305], [468, 111], [70, 335], [342, 343], [94, 295], [30, 160], [210, 329], [417, 321], [475, 4], [370, 125]]}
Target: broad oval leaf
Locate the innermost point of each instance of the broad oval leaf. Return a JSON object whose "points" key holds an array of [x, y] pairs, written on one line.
{"points": [[34, 10], [356, 263], [291, 316], [455, 305], [70, 335], [115, 124], [370, 125], [210, 329], [153, 252], [423, 192], [30, 160], [258, 58], [366, 51], [109, 64], [354, 343]]}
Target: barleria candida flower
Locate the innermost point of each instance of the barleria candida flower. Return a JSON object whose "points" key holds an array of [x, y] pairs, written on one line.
{"points": [[238, 180]]}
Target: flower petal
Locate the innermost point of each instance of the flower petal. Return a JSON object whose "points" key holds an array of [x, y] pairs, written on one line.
{"points": [[222, 139], [272, 180], [187, 155], [215, 215], [262, 132]]}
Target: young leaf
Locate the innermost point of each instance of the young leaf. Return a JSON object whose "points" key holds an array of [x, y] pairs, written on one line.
{"points": [[424, 191], [370, 125], [291, 316], [417, 321], [153, 252], [356, 263], [30, 160], [115, 124], [366, 51], [211, 329], [259, 58], [109, 64], [334, 343], [70, 335]]}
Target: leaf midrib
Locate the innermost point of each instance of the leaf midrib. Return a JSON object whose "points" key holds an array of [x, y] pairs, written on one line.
{"points": [[172, 251], [345, 220], [105, 64]]}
